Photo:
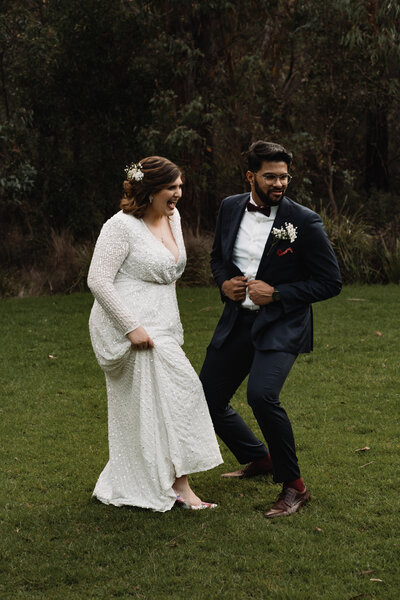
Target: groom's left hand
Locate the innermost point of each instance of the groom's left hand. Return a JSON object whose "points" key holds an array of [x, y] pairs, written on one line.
{"points": [[260, 292]]}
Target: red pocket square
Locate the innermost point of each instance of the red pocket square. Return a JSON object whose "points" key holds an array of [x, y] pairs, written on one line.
{"points": [[283, 252]]}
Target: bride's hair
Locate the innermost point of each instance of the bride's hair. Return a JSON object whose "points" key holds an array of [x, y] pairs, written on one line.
{"points": [[158, 172]]}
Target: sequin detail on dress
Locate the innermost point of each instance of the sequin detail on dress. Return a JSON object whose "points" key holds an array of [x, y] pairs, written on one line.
{"points": [[159, 427]]}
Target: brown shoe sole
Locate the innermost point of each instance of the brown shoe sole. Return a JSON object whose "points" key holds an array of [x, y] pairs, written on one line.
{"points": [[243, 474]]}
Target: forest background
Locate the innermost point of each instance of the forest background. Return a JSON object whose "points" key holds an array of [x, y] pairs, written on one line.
{"points": [[88, 87]]}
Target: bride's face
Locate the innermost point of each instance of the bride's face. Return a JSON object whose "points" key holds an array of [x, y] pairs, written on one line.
{"points": [[165, 200]]}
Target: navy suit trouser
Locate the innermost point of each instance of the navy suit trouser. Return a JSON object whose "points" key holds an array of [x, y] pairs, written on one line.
{"points": [[223, 371]]}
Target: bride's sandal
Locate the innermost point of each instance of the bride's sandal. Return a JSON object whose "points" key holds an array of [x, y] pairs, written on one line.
{"points": [[180, 501]]}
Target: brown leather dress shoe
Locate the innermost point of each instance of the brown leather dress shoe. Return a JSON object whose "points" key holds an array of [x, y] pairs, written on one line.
{"points": [[289, 501], [262, 466]]}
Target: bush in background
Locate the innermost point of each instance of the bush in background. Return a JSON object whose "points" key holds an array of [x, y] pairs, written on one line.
{"points": [[355, 247], [198, 270], [59, 266], [60, 263]]}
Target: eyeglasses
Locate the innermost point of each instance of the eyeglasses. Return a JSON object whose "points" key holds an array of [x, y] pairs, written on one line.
{"points": [[271, 178]]}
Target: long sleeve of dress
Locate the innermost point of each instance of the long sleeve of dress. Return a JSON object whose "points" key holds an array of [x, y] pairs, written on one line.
{"points": [[111, 250]]}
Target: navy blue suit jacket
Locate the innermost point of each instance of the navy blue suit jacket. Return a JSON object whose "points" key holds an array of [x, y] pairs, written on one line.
{"points": [[304, 271]]}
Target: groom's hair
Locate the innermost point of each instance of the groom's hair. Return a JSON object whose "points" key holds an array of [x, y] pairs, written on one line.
{"points": [[268, 151]]}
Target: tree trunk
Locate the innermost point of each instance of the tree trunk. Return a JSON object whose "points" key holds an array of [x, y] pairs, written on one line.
{"points": [[329, 183], [3, 84], [376, 156]]}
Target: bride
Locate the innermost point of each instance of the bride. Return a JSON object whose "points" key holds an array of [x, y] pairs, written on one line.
{"points": [[159, 428]]}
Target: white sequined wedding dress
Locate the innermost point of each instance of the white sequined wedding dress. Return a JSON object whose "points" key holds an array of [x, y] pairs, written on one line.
{"points": [[159, 427]]}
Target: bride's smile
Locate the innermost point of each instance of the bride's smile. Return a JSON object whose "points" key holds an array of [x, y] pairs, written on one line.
{"points": [[172, 203], [164, 202]]}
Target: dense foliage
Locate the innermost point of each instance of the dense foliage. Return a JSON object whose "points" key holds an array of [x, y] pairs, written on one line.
{"points": [[87, 87]]}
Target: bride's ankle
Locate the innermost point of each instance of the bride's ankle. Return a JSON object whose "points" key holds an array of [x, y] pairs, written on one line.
{"points": [[181, 483], [182, 487], [188, 496]]}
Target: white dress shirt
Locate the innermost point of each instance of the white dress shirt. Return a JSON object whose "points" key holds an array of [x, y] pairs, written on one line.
{"points": [[250, 243]]}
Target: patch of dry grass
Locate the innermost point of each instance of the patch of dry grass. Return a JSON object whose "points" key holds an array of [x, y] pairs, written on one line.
{"points": [[59, 266], [198, 270]]}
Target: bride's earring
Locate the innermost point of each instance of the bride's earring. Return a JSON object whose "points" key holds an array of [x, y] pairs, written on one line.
{"points": [[150, 198]]}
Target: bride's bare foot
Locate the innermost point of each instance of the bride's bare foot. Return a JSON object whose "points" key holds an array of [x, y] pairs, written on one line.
{"points": [[182, 487]]}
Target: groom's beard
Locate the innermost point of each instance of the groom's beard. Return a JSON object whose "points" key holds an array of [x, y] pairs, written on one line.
{"points": [[266, 198]]}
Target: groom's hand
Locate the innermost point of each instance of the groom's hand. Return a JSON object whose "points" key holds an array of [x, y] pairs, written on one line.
{"points": [[235, 288], [260, 292]]}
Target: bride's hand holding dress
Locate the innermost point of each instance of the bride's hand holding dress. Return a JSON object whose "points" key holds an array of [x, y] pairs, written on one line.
{"points": [[140, 339]]}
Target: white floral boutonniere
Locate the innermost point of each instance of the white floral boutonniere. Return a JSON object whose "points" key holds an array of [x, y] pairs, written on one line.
{"points": [[289, 232], [134, 171]]}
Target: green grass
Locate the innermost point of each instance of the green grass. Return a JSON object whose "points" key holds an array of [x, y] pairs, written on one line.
{"points": [[57, 543]]}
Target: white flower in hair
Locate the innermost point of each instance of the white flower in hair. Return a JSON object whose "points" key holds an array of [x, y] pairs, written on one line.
{"points": [[134, 171]]}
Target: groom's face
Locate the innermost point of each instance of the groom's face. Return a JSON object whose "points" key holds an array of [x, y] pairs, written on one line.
{"points": [[269, 183]]}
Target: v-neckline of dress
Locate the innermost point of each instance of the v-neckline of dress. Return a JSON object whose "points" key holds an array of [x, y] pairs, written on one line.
{"points": [[162, 244]]}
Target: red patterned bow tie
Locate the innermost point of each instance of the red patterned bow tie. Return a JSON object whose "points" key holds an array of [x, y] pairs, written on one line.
{"points": [[265, 210]]}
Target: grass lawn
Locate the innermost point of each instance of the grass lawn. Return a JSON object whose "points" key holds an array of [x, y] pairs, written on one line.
{"points": [[58, 544]]}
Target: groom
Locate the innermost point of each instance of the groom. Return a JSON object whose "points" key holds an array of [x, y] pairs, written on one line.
{"points": [[271, 259]]}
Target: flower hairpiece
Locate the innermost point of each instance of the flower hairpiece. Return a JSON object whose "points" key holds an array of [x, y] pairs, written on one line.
{"points": [[134, 171]]}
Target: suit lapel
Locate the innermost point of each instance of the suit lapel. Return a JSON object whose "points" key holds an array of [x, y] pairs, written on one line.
{"points": [[282, 216], [234, 223]]}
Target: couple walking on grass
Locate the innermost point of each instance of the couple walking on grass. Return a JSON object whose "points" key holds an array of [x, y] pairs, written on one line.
{"points": [[271, 259]]}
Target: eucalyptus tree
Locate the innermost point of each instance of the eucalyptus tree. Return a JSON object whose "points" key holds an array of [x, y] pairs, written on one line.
{"points": [[88, 86]]}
